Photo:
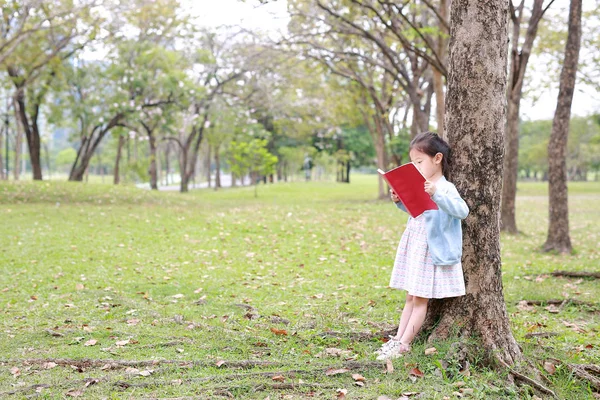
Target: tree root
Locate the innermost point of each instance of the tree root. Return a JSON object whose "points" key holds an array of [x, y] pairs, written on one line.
{"points": [[577, 274], [540, 335], [562, 303], [523, 378], [587, 372]]}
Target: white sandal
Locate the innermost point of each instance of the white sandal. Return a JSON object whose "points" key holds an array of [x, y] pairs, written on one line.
{"points": [[385, 345], [394, 350]]}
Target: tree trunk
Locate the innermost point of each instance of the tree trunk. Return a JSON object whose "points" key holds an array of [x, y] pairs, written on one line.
{"points": [[511, 153], [518, 66], [167, 166], [89, 144], [152, 170], [438, 78], [208, 162], [475, 125], [31, 134], [558, 229], [217, 168], [116, 176], [18, 141], [3, 137]]}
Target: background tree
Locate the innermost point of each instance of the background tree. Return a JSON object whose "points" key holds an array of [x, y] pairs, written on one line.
{"points": [[519, 58], [35, 63], [558, 229]]}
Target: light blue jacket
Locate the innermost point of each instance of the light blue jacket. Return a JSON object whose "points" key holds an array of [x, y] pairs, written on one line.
{"points": [[444, 231]]}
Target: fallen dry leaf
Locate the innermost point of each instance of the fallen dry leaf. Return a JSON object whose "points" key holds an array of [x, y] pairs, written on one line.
{"points": [[549, 367], [523, 306], [220, 362], [333, 371], [15, 371], [74, 393], [90, 342], [91, 381], [133, 321], [358, 377], [122, 343], [359, 383], [341, 393], [146, 372], [49, 365], [389, 366], [281, 332], [132, 371], [430, 351], [278, 378], [416, 372]]}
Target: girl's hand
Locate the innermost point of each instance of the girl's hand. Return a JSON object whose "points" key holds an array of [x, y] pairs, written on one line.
{"points": [[394, 197], [430, 188]]}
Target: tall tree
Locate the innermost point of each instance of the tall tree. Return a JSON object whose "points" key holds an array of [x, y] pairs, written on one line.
{"points": [[35, 63], [475, 116], [518, 66], [558, 229]]}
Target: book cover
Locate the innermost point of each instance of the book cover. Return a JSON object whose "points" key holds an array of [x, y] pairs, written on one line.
{"points": [[408, 184]]}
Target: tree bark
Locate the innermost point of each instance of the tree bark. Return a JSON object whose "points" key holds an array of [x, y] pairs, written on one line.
{"points": [[32, 134], [518, 66], [152, 170], [18, 142], [558, 229], [116, 175], [217, 168], [3, 137], [89, 143], [475, 124], [438, 77]]}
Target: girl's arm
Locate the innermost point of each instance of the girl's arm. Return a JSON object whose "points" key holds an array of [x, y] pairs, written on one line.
{"points": [[449, 201], [400, 205]]}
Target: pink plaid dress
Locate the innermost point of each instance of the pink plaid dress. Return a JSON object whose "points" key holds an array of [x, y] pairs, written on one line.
{"points": [[414, 271]]}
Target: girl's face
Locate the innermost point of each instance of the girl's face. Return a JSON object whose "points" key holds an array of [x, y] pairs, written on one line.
{"points": [[430, 167]]}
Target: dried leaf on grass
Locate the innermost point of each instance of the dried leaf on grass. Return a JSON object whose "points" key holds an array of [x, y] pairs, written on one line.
{"points": [[333, 371], [358, 377], [389, 366], [430, 351], [74, 393], [550, 367], [281, 332]]}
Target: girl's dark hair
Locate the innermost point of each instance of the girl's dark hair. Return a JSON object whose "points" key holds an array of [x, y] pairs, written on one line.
{"points": [[431, 144]]}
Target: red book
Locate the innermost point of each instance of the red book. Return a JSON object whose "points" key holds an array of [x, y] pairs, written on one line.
{"points": [[408, 184]]}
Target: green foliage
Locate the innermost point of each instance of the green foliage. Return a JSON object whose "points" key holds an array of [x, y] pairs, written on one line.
{"points": [[251, 158], [65, 157], [582, 152]]}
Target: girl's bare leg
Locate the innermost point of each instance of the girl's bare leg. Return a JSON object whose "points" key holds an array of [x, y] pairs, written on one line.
{"points": [[417, 316], [405, 317]]}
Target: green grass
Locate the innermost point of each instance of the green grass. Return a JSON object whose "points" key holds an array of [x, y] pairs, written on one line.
{"points": [[209, 276]]}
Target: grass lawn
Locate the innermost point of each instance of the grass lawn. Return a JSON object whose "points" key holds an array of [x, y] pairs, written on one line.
{"points": [[115, 292]]}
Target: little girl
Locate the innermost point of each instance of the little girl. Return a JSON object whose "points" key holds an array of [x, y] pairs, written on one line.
{"points": [[427, 262]]}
